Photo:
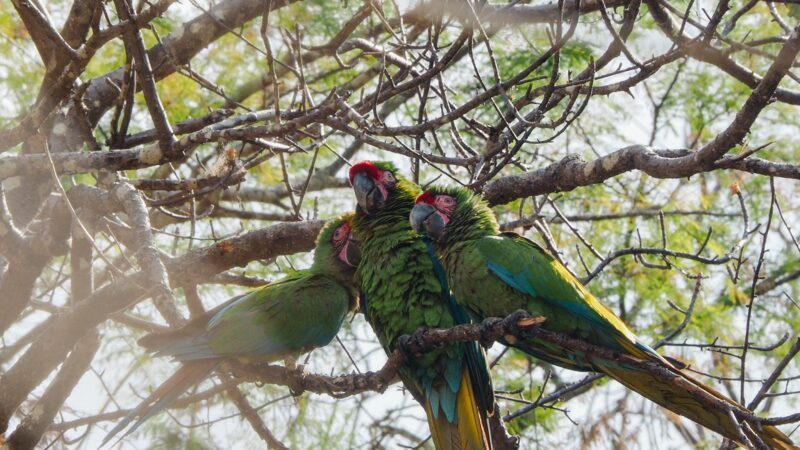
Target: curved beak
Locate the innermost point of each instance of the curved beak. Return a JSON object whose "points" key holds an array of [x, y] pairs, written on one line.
{"points": [[425, 219], [369, 197], [352, 252]]}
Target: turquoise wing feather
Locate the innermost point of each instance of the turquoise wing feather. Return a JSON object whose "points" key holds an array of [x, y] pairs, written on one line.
{"points": [[567, 304], [477, 367]]}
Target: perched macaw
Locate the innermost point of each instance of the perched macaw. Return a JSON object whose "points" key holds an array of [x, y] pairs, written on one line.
{"points": [[403, 289], [494, 274], [293, 315]]}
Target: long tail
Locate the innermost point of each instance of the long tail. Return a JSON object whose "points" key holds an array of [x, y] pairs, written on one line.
{"points": [[675, 395], [187, 376], [470, 430]]}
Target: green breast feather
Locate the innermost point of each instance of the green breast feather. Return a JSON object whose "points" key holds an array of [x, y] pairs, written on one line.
{"points": [[402, 294]]}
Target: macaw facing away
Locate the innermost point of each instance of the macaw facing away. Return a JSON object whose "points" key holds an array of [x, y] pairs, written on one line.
{"points": [[494, 274], [403, 289], [293, 315]]}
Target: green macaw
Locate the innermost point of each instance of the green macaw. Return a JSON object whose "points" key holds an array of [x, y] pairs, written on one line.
{"points": [[494, 274], [403, 289], [288, 317]]}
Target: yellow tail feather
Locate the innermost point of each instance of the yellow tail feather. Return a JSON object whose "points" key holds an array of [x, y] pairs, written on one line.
{"points": [[470, 431], [678, 400]]}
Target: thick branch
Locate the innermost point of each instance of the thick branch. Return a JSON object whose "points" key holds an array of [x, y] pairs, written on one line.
{"points": [[573, 171], [28, 257], [179, 47], [703, 51], [135, 44], [504, 15], [423, 341], [518, 325], [146, 253]]}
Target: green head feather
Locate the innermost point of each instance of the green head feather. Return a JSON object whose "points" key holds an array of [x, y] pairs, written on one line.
{"points": [[471, 219]]}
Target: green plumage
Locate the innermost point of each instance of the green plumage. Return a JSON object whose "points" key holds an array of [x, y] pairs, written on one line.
{"points": [[264, 324], [401, 293], [495, 274], [515, 274], [300, 312]]}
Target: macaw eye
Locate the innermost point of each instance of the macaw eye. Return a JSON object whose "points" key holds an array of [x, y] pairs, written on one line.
{"points": [[340, 235], [445, 202]]}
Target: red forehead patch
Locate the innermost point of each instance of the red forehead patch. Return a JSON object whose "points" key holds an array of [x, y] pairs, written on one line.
{"points": [[364, 166], [425, 197]]}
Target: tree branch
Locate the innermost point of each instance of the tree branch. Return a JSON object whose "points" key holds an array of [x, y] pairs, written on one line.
{"points": [[573, 171]]}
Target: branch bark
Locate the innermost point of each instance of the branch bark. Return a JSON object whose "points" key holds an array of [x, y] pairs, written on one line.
{"points": [[30, 430], [64, 330], [573, 171]]}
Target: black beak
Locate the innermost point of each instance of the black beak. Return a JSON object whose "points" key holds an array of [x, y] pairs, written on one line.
{"points": [[368, 196], [353, 252], [424, 220]]}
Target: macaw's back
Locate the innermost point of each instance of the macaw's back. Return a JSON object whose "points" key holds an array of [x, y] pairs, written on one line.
{"points": [[495, 274]]}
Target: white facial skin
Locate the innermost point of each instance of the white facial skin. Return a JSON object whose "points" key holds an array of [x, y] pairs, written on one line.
{"points": [[385, 181], [445, 205], [340, 242]]}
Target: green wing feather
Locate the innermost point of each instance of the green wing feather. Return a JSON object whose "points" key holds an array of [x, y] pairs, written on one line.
{"points": [[495, 274], [300, 312], [529, 269]]}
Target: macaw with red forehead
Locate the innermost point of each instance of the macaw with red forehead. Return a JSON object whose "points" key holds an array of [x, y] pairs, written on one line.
{"points": [[403, 289], [495, 274], [288, 317]]}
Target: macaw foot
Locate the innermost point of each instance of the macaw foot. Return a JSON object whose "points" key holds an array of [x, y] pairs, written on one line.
{"points": [[515, 322], [486, 328], [411, 345], [295, 382]]}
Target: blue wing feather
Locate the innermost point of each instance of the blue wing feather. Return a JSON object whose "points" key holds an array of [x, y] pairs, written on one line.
{"points": [[529, 269]]}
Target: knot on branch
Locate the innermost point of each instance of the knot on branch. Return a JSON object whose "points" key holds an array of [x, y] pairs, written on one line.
{"points": [[570, 160]]}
